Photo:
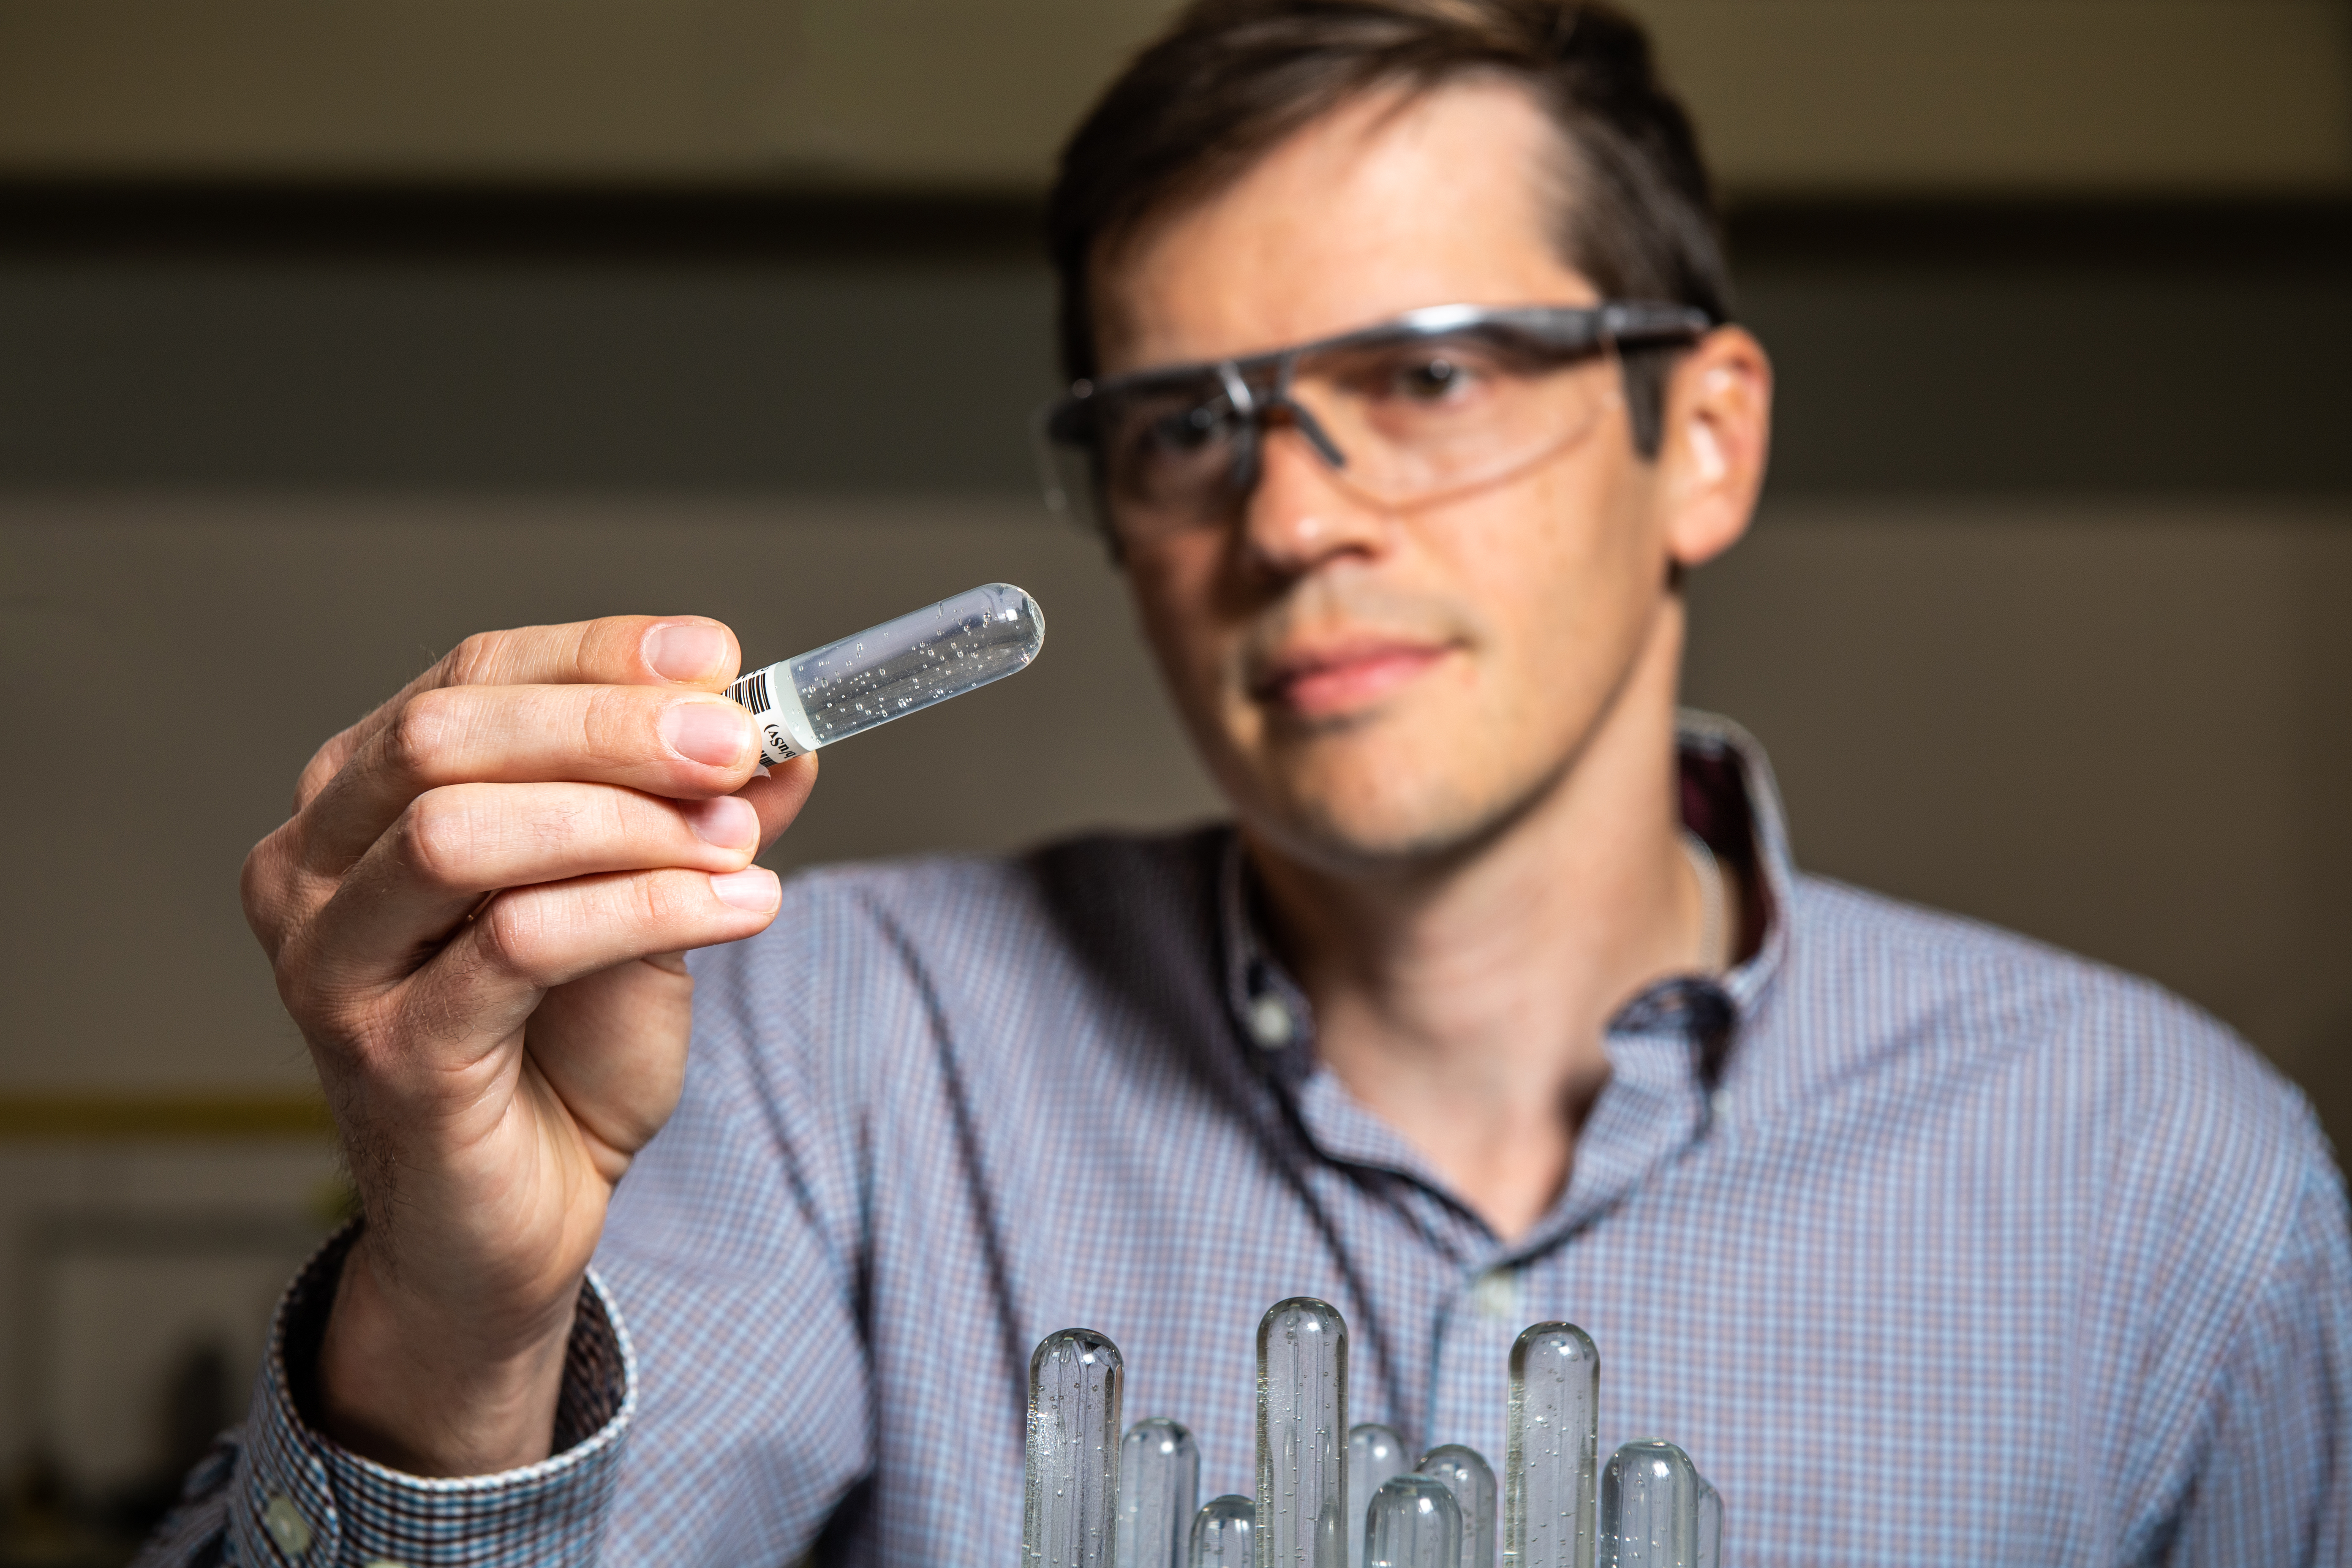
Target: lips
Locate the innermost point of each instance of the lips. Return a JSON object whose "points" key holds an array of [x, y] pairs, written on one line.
{"points": [[1340, 679]]}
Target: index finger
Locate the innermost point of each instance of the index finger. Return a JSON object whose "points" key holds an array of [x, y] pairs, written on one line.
{"points": [[689, 652]]}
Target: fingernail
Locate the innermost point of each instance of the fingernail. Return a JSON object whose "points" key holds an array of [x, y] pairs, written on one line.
{"points": [[754, 888], [714, 732], [685, 650], [728, 821]]}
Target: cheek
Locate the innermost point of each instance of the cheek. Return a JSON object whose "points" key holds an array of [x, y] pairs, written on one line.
{"points": [[1564, 592], [1175, 590]]}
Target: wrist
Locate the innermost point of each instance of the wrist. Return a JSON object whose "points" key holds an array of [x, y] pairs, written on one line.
{"points": [[421, 1387]]}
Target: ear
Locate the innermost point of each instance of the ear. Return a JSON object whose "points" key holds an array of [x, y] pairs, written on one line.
{"points": [[1711, 455]]}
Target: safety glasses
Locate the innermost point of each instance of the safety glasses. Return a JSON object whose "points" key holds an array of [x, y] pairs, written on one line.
{"points": [[1411, 411]]}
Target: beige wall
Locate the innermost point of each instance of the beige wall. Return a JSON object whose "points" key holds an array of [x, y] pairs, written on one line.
{"points": [[2124, 729], [132, 968]]}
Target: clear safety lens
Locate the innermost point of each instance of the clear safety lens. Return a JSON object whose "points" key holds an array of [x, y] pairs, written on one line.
{"points": [[1399, 423]]}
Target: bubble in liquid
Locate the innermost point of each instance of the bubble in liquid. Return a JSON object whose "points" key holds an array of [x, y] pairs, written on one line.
{"points": [[1548, 1512], [1302, 1435], [906, 665], [1465, 1473], [1374, 1454], [1070, 1478], [1158, 1482], [1648, 1508], [1222, 1534], [1413, 1523]]}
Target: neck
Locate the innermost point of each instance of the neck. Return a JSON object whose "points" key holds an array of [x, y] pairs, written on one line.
{"points": [[1466, 1003]]}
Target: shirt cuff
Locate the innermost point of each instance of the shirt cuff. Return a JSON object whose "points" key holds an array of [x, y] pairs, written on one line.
{"points": [[300, 1501]]}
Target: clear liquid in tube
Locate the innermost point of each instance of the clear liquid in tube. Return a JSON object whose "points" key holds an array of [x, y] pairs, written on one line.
{"points": [[902, 667]]}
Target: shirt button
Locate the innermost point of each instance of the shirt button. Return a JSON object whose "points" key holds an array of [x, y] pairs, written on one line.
{"points": [[286, 1525], [1270, 1023], [1495, 1294], [382, 1563]]}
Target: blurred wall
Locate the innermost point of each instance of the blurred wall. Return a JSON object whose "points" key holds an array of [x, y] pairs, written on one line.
{"points": [[2121, 725], [1797, 95]]}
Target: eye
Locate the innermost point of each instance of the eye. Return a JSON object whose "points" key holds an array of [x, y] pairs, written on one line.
{"points": [[1426, 381], [1185, 429]]}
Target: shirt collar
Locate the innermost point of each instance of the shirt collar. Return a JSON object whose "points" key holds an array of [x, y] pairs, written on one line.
{"points": [[1668, 1045], [1730, 800]]}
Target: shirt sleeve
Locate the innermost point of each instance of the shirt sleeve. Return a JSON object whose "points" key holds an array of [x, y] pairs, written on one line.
{"points": [[2276, 1486], [735, 1240], [275, 1494]]}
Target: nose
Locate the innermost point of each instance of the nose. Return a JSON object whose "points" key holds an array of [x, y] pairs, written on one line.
{"points": [[1299, 517]]}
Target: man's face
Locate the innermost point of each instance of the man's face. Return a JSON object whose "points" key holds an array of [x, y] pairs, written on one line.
{"points": [[1374, 685]]}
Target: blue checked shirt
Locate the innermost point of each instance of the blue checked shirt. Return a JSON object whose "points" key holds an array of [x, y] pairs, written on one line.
{"points": [[1930, 1244]]}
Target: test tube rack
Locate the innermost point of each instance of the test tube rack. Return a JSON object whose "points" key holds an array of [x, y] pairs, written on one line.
{"points": [[1330, 1495]]}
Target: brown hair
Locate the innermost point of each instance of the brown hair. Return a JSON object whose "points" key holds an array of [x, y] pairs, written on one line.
{"points": [[1230, 78]]}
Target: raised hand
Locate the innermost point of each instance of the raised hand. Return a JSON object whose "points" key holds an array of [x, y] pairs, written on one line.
{"points": [[478, 915]]}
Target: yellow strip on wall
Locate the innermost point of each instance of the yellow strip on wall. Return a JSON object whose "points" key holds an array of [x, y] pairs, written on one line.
{"points": [[109, 1117]]}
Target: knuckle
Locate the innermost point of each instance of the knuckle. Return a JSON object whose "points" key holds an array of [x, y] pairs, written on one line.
{"points": [[513, 938], [320, 770], [261, 887], [614, 726], [655, 901], [440, 837], [473, 662], [620, 816], [608, 643], [424, 729]]}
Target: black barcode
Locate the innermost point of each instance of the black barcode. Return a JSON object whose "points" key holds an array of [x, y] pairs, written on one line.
{"points": [[752, 692]]}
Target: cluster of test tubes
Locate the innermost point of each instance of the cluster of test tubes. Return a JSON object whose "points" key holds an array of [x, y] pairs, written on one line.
{"points": [[1334, 1496]]}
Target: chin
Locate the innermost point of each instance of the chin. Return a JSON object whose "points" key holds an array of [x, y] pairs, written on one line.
{"points": [[1388, 823]]}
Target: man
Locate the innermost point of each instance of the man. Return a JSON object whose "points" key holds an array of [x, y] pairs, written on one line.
{"points": [[1501, 1001]]}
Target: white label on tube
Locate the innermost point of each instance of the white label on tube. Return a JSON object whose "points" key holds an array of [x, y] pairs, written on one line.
{"points": [[776, 705]]}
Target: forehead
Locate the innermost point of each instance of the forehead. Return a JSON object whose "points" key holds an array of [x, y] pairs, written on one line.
{"points": [[1385, 205]]}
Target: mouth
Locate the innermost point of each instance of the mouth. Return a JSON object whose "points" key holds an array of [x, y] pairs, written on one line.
{"points": [[1336, 680]]}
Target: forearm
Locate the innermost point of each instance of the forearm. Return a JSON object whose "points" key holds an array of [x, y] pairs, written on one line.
{"points": [[417, 1388]]}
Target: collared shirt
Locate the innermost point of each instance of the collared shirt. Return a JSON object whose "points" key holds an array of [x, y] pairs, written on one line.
{"points": [[1930, 1244]]}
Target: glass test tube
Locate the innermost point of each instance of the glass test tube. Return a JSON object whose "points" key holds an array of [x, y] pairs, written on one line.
{"points": [[1374, 1454], [1413, 1523], [888, 671], [1648, 1508], [1710, 1526], [1302, 1435], [1159, 1483], [1070, 1482], [1553, 1436], [1222, 1533], [1465, 1473]]}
